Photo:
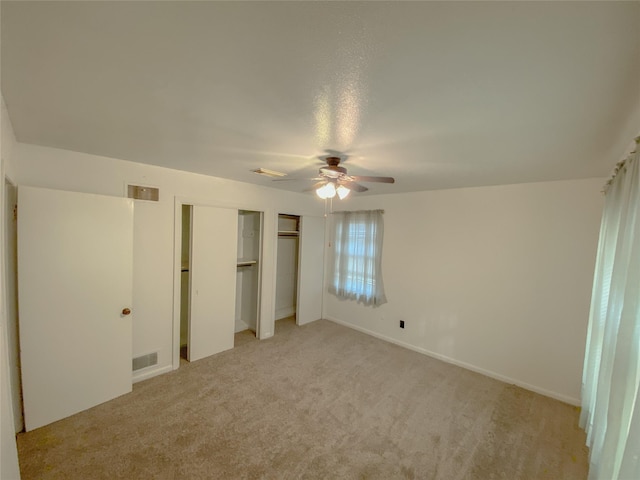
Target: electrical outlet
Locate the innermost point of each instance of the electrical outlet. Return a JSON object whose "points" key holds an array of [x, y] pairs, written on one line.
{"points": [[401, 323]]}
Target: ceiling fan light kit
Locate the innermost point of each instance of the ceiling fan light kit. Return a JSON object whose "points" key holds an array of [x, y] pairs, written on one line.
{"points": [[329, 190], [342, 192]]}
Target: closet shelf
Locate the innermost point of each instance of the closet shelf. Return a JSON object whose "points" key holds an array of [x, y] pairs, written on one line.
{"points": [[288, 233], [246, 263]]}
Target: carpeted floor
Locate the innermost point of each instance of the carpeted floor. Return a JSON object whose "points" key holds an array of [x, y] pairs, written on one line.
{"points": [[315, 402]]}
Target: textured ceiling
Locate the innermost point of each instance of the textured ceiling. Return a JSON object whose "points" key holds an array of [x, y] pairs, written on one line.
{"points": [[437, 94]]}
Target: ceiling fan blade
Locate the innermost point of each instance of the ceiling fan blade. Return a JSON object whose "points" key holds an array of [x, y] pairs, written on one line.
{"points": [[364, 178], [356, 187], [298, 179], [314, 187]]}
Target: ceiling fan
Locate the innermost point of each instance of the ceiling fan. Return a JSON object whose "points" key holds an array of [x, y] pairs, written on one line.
{"points": [[334, 180]]}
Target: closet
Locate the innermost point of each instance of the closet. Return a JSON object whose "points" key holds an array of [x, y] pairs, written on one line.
{"points": [[287, 266], [219, 279], [248, 270], [184, 279], [299, 268]]}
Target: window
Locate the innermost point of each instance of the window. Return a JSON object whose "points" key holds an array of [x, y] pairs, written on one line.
{"points": [[611, 378], [357, 259]]}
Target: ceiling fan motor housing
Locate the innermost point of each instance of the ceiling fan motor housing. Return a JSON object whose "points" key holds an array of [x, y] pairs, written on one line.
{"points": [[332, 163]]}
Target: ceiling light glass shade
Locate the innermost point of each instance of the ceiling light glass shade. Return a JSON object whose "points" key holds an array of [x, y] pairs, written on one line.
{"points": [[343, 192], [326, 191]]}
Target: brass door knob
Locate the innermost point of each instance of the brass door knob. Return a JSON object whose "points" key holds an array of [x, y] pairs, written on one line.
{"points": [[126, 311]]}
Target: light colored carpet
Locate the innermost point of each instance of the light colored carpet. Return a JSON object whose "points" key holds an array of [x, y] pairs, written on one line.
{"points": [[315, 402]]}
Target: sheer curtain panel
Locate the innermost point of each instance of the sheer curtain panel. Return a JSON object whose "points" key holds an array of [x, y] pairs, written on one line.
{"points": [[357, 256], [610, 401]]}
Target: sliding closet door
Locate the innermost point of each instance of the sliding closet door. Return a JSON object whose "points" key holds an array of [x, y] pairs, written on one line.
{"points": [[213, 280], [310, 270]]}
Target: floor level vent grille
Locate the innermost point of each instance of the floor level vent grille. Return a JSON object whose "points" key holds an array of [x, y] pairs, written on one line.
{"points": [[145, 361]]}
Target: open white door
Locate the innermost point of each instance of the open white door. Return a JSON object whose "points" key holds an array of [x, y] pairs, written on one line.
{"points": [[310, 270], [214, 249], [75, 262]]}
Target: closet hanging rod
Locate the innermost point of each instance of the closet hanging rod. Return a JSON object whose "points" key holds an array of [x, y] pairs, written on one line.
{"points": [[246, 263], [288, 233]]}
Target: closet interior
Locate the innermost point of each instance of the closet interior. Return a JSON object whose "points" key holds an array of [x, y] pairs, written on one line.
{"points": [[184, 280], [287, 266], [248, 270]]}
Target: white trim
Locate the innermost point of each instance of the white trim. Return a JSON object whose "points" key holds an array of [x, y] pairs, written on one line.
{"points": [[310, 321], [177, 270], [149, 372], [285, 312], [274, 278], [240, 326], [16, 416], [547, 393]]}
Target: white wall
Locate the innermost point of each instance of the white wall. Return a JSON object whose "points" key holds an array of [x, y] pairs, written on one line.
{"points": [[8, 140], [497, 279], [154, 237], [8, 453]]}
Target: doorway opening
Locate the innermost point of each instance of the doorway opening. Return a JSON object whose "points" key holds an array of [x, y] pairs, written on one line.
{"points": [[287, 272], [248, 274], [184, 281], [11, 299]]}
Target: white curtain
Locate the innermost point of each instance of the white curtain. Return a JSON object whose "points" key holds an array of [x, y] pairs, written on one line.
{"points": [[610, 400], [357, 259]]}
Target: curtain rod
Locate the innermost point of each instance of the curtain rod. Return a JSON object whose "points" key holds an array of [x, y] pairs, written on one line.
{"points": [[621, 164]]}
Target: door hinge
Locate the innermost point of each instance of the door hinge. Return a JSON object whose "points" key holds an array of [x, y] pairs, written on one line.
{"points": [[15, 212]]}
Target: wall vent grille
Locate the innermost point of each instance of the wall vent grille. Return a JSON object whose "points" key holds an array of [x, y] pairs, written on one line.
{"points": [[138, 192], [145, 361]]}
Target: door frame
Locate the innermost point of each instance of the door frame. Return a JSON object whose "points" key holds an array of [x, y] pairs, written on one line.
{"points": [[13, 348]]}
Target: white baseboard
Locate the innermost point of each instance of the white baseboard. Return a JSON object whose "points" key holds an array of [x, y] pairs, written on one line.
{"points": [[308, 322], [468, 366], [240, 326], [147, 373], [285, 312]]}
